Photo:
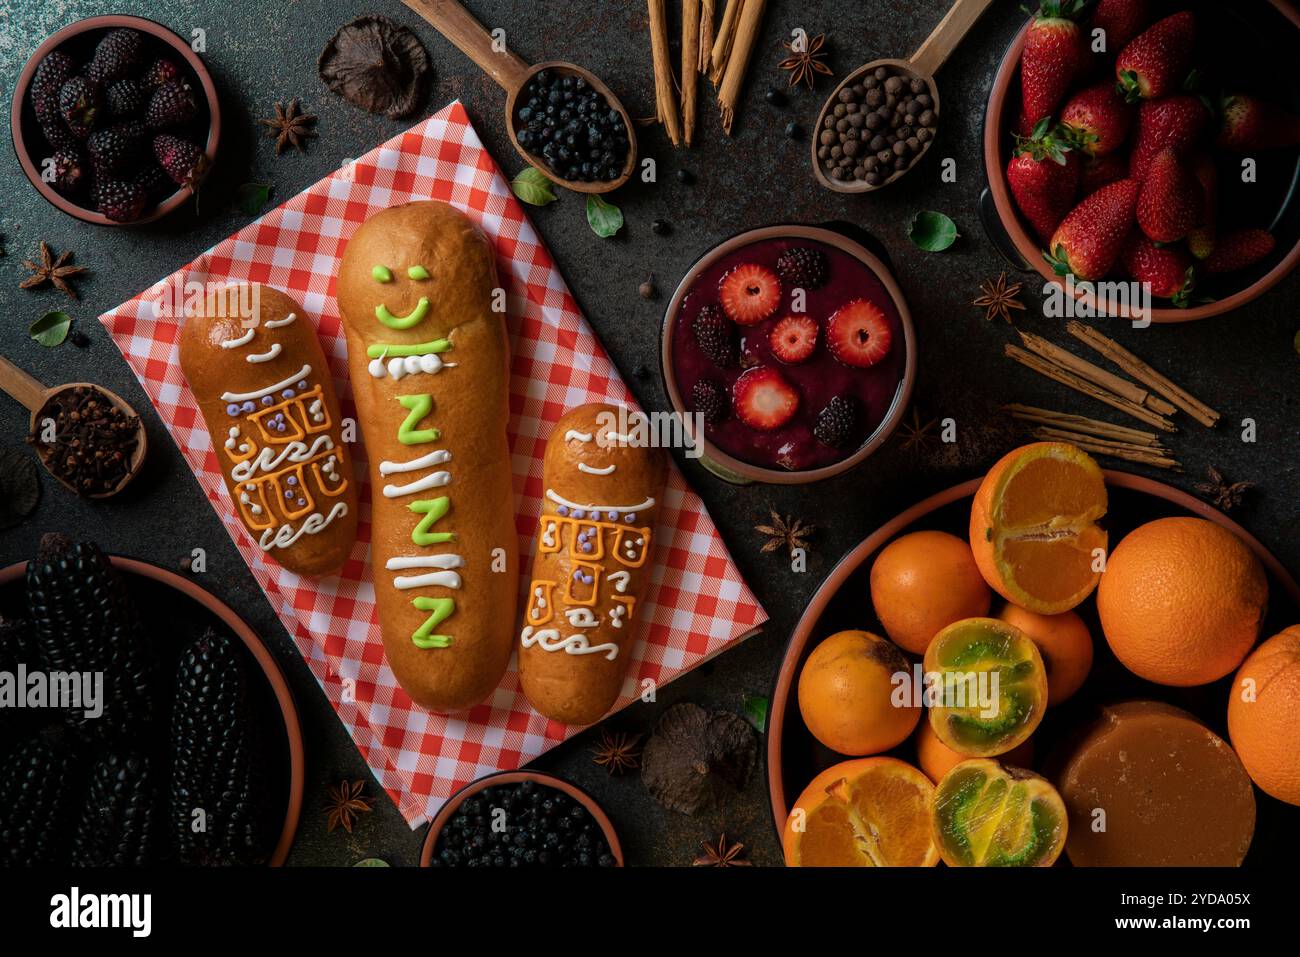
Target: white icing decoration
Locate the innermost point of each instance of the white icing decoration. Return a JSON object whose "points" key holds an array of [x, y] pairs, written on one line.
{"points": [[616, 616], [315, 411], [620, 580], [618, 437], [559, 500], [286, 535], [607, 470], [282, 384], [435, 480], [548, 639], [238, 341], [575, 434], [582, 618], [376, 368], [268, 460], [548, 536], [402, 562], [414, 465], [277, 323], [443, 579], [266, 356]]}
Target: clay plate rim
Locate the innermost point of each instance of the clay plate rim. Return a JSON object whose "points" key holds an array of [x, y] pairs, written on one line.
{"points": [[265, 660], [803, 632]]}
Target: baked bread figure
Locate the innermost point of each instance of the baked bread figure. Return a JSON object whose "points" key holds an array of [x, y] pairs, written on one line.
{"points": [[592, 566], [429, 362], [263, 386]]}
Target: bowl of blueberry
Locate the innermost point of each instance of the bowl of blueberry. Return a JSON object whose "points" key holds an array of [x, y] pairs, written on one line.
{"points": [[115, 120], [521, 819]]}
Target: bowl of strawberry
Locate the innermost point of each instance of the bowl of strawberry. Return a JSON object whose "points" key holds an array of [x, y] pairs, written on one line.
{"points": [[794, 349], [115, 120], [1150, 143]]}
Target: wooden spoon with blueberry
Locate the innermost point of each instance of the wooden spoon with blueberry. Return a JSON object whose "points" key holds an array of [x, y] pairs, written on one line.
{"points": [[883, 117], [561, 118]]}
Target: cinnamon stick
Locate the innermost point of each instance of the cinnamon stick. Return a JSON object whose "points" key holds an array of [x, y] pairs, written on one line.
{"points": [[751, 17], [665, 86], [1067, 378], [706, 37], [1081, 423], [1094, 373], [722, 44], [1139, 370], [1102, 447], [690, 64]]}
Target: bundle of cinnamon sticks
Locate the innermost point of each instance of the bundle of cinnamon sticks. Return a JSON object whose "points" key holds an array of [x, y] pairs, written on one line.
{"points": [[722, 55]]}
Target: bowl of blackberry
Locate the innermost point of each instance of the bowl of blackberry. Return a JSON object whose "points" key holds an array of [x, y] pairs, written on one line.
{"points": [[115, 120], [521, 819]]}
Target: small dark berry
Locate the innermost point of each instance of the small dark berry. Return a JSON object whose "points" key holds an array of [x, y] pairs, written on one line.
{"points": [[661, 227], [79, 339], [794, 131], [710, 400], [774, 96], [684, 176], [837, 422]]}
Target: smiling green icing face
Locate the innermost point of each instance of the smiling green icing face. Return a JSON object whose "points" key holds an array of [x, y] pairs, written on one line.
{"points": [[383, 275]]}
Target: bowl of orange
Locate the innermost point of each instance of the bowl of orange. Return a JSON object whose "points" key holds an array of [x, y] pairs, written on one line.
{"points": [[1085, 655]]}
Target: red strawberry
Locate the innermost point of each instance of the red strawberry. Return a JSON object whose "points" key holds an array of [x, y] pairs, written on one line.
{"points": [[1171, 200], [1174, 124], [1249, 124], [1099, 118], [1168, 269], [749, 293], [1155, 63], [858, 334], [762, 399], [1044, 178], [1122, 20], [1200, 241], [794, 338], [1089, 241], [1055, 53], [1239, 250], [1101, 171]]}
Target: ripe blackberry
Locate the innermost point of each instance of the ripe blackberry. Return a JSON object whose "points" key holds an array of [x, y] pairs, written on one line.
{"points": [[39, 785], [180, 159], [120, 201], [121, 820], [84, 622], [52, 72], [154, 180], [710, 400], [117, 149], [802, 267], [71, 173], [172, 103], [837, 424], [127, 99], [119, 54], [716, 335], [82, 105], [215, 768], [160, 71], [57, 135]]}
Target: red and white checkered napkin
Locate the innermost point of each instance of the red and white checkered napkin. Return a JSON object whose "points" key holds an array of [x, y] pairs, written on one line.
{"points": [[698, 606]]}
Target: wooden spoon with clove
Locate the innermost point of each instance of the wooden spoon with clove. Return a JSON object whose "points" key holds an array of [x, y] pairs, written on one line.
{"points": [[36, 397], [512, 74]]}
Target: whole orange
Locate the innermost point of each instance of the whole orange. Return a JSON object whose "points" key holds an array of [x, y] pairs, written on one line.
{"points": [[1064, 643], [937, 759], [922, 583], [846, 692], [1181, 601], [1264, 715]]}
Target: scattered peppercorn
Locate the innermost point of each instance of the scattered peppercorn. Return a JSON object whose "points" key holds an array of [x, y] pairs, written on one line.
{"points": [[774, 96], [79, 339], [684, 177], [647, 289], [794, 131], [661, 227]]}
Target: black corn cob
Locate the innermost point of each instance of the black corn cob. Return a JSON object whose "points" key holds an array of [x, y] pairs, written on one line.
{"points": [[39, 790], [216, 788], [120, 821], [84, 622], [15, 650]]}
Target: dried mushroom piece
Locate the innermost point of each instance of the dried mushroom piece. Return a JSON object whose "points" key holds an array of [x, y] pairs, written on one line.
{"points": [[695, 759], [20, 486], [377, 65]]}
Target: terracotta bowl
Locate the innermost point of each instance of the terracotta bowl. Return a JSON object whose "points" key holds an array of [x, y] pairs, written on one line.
{"points": [[270, 669], [794, 757], [517, 777], [743, 473], [81, 38], [1263, 32]]}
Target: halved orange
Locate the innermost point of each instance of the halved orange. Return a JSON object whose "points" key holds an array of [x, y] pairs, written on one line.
{"points": [[870, 812], [989, 815], [1033, 526]]}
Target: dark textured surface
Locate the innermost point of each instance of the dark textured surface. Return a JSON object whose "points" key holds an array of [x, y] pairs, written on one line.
{"points": [[1243, 363]]}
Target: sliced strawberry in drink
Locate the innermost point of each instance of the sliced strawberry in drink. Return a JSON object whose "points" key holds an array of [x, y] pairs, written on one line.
{"points": [[858, 334], [762, 399], [794, 338], [749, 293]]}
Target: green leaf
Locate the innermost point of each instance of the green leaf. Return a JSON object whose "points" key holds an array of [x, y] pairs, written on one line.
{"points": [[51, 329], [605, 218], [931, 231], [532, 186], [254, 196], [756, 711]]}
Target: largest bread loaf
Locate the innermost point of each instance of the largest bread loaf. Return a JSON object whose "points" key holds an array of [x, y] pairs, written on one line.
{"points": [[429, 362]]}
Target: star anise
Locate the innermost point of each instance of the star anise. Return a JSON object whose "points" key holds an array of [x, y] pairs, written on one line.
{"points": [[1223, 495], [290, 126], [805, 64], [617, 753], [55, 272], [788, 533], [916, 436], [720, 853], [346, 803], [999, 299]]}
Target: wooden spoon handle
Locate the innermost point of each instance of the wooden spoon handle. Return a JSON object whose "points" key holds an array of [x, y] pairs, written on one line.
{"points": [[459, 26], [21, 386], [934, 52]]}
